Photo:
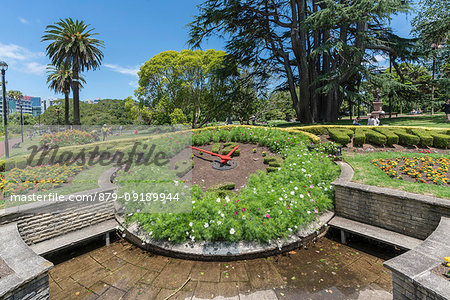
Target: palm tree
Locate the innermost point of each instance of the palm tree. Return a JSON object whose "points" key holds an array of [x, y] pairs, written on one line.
{"points": [[72, 43], [59, 79]]}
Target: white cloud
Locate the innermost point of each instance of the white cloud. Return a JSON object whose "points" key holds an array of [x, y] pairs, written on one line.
{"points": [[133, 84], [34, 68], [380, 58], [24, 21], [123, 70], [17, 53]]}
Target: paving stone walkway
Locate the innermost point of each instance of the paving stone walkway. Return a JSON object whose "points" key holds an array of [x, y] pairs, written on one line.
{"points": [[327, 270]]}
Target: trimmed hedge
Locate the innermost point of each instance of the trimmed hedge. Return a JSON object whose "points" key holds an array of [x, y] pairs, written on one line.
{"points": [[341, 135], [222, 186], [391, 137], [426, 140], [440, 140], [2, 166], [227, 147], [182, 167], [407, 139], [366, 135], [360, 138], [216, 147]]}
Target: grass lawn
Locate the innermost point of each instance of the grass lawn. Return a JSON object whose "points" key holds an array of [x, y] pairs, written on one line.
{"points": [[84, 181], [436, 121], [367, 173]]}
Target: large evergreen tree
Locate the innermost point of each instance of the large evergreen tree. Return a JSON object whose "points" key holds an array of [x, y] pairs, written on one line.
{"points": [[320, 47]]}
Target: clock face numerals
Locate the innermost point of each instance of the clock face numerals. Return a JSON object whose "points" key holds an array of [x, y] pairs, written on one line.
{"points": [[223, 158]]}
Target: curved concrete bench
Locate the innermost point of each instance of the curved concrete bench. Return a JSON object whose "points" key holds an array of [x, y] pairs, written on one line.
{"points": [[28, 278], [411, 272]]}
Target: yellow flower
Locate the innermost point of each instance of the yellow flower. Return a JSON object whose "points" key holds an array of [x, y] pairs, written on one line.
{"points": [[447, 259]]}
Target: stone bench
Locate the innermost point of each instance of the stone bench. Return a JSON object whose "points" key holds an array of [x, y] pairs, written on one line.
{"points": [[75, 237], [372, 232], [28, 276]]}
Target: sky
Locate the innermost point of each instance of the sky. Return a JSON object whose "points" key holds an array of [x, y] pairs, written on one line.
{"points": [[133, 32]]}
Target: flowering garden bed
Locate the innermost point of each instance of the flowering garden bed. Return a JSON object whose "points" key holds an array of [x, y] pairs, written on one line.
{"points": [[272, 205], [67, 138], [40, 178], [423, 169]]}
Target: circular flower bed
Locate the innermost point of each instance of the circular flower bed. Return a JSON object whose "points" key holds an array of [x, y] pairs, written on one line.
{"points": [[272, 205], [420, 169], [67, 138]]}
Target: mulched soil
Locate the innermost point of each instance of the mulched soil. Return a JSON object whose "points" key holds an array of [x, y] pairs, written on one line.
{"points": [[441, 270], [205, 176], [394, 148], [4, 269]]}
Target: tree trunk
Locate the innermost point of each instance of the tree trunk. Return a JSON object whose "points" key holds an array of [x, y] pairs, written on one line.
{"points": [[66, 108], [298, 41], [76, 93]]}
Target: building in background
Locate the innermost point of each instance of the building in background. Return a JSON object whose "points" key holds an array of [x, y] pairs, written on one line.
{"points": [[46, 104], [14, 106], [36, 105]]}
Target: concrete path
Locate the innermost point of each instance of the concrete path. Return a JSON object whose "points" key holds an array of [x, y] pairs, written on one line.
{"points": [[328, 270], [11, 143]]}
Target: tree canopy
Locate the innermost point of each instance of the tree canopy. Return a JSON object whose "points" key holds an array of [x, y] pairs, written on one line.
{"points": [[321, 48]]}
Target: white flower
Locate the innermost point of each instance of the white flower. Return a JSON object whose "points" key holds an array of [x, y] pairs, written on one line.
{"points": [[218, 200], [222, 215], [206, 225], [308, 212], [232, 231], [227, 199], [219, 222], [301, 196], [326, 189], [292, 193], [296, 188], [191, 224]]}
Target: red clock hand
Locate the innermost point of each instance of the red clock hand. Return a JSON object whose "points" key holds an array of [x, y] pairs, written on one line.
{"points": [[224, 158], [232, 151]]}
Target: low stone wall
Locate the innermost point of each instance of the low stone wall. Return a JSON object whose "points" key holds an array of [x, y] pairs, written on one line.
{"points": [[411, 272], [28, 278], [406, 213], [40, 221]]}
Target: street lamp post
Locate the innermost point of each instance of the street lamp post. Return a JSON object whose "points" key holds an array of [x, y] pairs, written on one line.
{"points": [[21, 118], [3, 68]]}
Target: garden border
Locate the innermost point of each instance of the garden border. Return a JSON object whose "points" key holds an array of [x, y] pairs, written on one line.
{"points": [[388, 208], [407, 213]]}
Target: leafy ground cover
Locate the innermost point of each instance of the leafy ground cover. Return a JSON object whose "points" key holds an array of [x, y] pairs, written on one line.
{"points": [[425, 169], [272, 205], [366, 172]]}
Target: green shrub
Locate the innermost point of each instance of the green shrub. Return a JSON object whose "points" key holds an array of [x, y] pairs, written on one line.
{"points": [[182, 167], [405, 138], [341, 135], [271, 169], [360, 137], [375, 137], [2, 166], [391, 137], [426, 140], [315, 129], [440, 140], [222, 186], [216, 147], [227, 147]]}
